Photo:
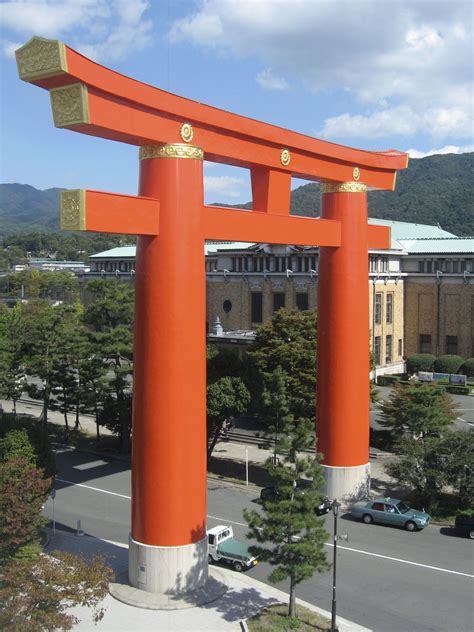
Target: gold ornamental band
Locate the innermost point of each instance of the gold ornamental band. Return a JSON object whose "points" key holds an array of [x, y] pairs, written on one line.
{"points": [[343, 187], [177, 150], [73, 209]]}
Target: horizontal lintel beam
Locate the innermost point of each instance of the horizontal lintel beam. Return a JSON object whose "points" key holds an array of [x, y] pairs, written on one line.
{"points": [[379, 237], [225, 137], [258, 227], [97, 211]]}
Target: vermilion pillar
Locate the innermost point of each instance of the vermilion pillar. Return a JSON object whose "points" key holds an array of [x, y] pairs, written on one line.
{"points": [[168, 545], [343, 407]]}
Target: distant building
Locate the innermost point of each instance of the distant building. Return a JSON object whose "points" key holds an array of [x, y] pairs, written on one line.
{"points": [[421, 290], [50, 265]]}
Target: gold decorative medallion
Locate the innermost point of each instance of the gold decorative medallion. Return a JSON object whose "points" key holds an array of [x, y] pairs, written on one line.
{"points": [[73, 210], [176, 150], [356, 173], [40, 58], [186, 132], [343, 187], [70, 105], [285, 157]]}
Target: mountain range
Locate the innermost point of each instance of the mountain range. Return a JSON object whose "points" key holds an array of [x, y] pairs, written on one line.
{"points": [[434, 190]]}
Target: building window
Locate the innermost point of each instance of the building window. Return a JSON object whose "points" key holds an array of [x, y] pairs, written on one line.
{"points": [[455, 267], [257, 307], [389, 309], [425, 343], [377, 350], [378, 309], [227, 306], [400, 347], [429, 266], [278, 301], [452, 344], [388, 349], [372, 263], [421, 266], [302, 300]]}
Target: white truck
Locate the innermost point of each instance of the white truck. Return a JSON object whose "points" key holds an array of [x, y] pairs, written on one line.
{"points": [[222, 547]]}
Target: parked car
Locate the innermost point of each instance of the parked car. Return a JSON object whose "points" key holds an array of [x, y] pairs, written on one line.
{"points": [[464, 525], [271, 492], [222, 547], [391, 511]]}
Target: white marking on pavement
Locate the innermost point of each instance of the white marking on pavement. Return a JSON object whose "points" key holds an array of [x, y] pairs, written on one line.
{"points": [[396, 559], [241, 524], [95, 489], [90, 465]]}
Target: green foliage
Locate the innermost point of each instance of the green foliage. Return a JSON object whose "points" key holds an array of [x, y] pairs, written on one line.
{"points": [[228, 397], [43, 454], [16, 444], [23, 491], [448, 363], [223, 362], [12, 351], [288, 341], [387, 380], [468, 367], [58, 285], [457, 390], [291, 538], [421, 410], [420, 362], [36, 593]]}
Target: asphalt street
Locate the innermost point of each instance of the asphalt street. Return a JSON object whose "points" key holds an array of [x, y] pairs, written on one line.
{"points": [[388, 579]]}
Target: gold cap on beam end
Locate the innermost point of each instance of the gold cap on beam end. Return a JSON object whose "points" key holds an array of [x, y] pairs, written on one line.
{"points": [[177, 150], [70, 105], [41, 58], [73, 209], [343, 187]]}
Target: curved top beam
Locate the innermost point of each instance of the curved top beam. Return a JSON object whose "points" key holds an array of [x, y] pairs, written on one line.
{"points": [[120, 108]]}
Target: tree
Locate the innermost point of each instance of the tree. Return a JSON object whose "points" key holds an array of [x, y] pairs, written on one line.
{"points": [[35, 594], [17, 444], [420, 362], [12, 350], [448, 363], [289, 527], [468, 368], [421, 410], [276, 412], [23, 490], [288, 341], [12, 438], [225, 398], [459, 449]]}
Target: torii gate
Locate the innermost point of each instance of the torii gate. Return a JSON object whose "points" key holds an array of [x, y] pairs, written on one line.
{"points": [[168, 544]]}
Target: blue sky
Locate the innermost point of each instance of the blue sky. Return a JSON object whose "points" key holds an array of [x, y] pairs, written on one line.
{"points": [[375, 74]]}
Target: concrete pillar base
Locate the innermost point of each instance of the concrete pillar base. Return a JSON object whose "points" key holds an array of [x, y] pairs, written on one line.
{"points": [[168, 570], [347, 484]]}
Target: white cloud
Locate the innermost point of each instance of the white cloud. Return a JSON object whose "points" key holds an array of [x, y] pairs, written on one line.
{"points": [[447, 149], [266, 79], [408, 56], [101, 29], [403, 121], [223, 186]]}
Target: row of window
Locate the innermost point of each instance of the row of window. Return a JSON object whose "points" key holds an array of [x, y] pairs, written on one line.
{"points": [[449, 266], [256, 306], [112, 266], [261, 263], [388, 349], [378, 264], [451, 344], [388, 308]]}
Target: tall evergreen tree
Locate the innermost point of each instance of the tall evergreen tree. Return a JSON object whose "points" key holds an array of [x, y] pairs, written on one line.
{"points": [[12, 351]]}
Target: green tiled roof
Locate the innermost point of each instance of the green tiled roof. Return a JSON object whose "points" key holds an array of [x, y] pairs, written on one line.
{"points": [[450, 245], [120, 251], [408, 230]]}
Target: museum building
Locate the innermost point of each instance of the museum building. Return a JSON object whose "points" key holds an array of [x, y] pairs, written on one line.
{"points": [[421, 290]]}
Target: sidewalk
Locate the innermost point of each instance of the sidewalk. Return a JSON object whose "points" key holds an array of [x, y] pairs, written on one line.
{"points": [[244, 597]]}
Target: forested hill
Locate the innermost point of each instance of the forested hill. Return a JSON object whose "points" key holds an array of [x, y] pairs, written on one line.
{"points": [[434, 190]]}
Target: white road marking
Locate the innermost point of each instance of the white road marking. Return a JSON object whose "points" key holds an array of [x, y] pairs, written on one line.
{"points": [[242, 524], [396, 559], [95, 489]]}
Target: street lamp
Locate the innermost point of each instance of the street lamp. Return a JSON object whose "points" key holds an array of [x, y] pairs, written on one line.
{"points": [[335, 510]]}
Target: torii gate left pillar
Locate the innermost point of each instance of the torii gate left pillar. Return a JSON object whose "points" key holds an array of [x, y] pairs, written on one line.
{"points": [[168, 548]]}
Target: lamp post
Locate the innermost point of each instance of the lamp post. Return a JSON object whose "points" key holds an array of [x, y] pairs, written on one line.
{"points": [[335, 511]]}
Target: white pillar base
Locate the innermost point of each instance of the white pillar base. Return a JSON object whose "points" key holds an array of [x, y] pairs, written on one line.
{"points": [[168, 570], [347, 484]]}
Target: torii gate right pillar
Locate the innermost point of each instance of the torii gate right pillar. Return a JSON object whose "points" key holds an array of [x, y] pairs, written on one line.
{"points": [[343, 401]]}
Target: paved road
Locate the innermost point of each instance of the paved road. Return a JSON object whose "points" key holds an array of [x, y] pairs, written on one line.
{"points": [[388, 579]]}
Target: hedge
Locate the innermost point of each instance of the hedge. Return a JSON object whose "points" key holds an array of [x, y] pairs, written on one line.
{"points": [[468, 367], [387, 380], [448, 363], [458, 390], [420, 362]]}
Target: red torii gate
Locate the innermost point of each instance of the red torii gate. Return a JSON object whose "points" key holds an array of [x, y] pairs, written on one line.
{"points": [[168, 544]]}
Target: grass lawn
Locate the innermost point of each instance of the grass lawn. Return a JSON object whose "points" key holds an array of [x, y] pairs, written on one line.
{"points": [[274, 619]]}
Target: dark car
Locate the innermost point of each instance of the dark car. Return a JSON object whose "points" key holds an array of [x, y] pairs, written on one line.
{"points": [[464, 525], [272, 493]]}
